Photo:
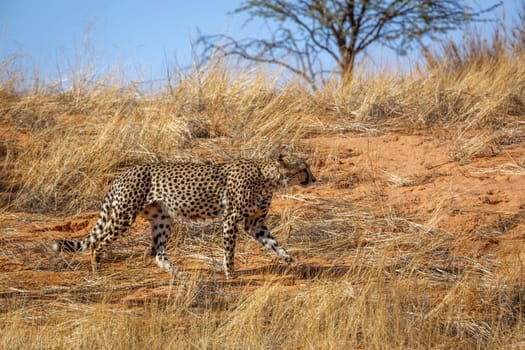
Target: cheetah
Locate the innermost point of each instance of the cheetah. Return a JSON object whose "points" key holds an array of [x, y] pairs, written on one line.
{"points": [[238, 191]]}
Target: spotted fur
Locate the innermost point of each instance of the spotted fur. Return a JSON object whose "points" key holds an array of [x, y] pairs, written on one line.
{"points": [[238, 191]]}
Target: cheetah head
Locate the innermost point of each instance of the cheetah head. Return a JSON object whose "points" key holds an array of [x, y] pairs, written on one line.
{"points": [[295, 171]]}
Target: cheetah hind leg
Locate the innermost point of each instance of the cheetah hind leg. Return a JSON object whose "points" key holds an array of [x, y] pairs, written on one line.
{"points": [[118, 224], [161, 224], [97, 245]]}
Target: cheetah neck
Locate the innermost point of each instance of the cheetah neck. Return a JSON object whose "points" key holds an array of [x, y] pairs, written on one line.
{"points": [[270, 170]]}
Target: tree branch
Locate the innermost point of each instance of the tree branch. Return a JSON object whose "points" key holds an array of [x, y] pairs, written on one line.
{"points": [[339, 29]]}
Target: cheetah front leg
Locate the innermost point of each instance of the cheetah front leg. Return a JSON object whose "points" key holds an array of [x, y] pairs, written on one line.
{"points": [[230, 223], [259, 230]]}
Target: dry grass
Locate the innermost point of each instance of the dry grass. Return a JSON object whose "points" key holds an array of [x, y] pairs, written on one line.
{"points": [[367, 277], [404, 288]]}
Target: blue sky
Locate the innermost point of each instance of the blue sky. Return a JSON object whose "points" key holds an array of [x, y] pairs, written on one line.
{"points": [[137, 36], [54, 37]]}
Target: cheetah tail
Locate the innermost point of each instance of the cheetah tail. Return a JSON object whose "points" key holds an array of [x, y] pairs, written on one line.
{"points": [[65, 245]]}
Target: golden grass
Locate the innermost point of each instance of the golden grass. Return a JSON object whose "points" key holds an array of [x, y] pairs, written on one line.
{"points": [[422, 297], [393, 282]]}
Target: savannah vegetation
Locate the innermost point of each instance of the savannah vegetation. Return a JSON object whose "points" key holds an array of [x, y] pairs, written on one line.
{"points": [[321, 38]]}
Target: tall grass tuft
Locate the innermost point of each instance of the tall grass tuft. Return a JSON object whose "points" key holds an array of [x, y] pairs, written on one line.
{"points": [[79, 138]]}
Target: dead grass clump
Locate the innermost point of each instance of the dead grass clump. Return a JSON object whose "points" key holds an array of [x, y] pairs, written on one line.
{"points": [[152, 324], [376, 313], [468, 145], [473, 84], [69, 165], [395, 180], [503, 169]]}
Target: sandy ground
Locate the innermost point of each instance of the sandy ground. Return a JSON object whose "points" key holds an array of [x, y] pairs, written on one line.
{"points": [[480, 202]]}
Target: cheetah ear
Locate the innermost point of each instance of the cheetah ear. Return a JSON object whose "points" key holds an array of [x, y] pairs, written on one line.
{"points": [[287, 161]]}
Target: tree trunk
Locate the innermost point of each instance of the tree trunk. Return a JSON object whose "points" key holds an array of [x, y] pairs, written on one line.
{"points": [[347, 69]]}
